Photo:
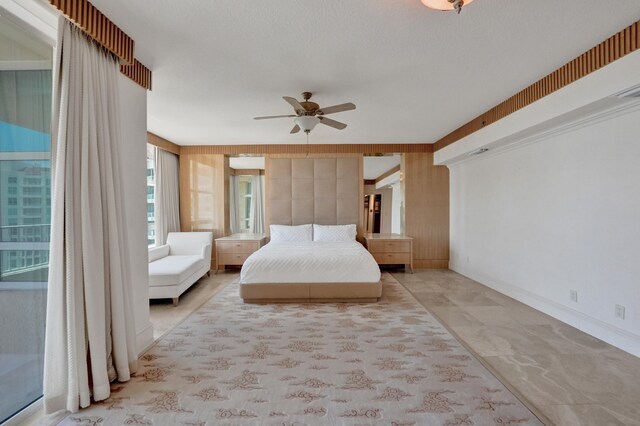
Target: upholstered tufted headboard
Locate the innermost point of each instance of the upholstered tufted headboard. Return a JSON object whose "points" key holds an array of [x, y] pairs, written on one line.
{"points": [[326, 191]]}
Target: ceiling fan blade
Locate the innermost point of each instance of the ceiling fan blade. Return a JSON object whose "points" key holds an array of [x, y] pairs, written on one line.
{"points": [[273, 116], [332, 123], [337, 108], [294, 103], [295, 129]]}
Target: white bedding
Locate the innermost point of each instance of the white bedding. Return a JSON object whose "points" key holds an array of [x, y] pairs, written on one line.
{"points": [[310, 262]]}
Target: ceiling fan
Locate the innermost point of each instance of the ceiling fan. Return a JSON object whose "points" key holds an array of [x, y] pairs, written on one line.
{"points": [[308, 114]]}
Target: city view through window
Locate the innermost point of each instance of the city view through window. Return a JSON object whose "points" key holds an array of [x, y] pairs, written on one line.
{"points": [[25, 212]]}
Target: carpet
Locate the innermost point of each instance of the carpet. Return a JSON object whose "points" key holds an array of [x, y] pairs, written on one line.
{"points": [[385, 363]]}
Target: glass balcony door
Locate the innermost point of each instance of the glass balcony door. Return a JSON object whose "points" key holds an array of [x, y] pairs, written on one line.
{"points": [[25, 212]]}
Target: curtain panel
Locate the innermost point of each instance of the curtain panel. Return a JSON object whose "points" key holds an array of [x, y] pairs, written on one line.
{"points": [[90, 336], [167, 201], [234, 204], [256, 218]]}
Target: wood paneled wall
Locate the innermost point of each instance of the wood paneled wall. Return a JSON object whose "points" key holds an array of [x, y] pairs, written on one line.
{"points": [[426, 198], [204, 199], [204, 195], [612, 49]]}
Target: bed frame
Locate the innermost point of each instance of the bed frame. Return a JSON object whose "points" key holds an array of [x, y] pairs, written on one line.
{"points": [[310, 292]]}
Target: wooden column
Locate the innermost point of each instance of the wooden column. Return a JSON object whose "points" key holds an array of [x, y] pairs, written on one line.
{"points": [[426, 195], [204, 194]]}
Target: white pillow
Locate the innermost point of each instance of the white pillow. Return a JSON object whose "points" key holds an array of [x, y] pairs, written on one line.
{"points": [[334, 232], [284, 233]]}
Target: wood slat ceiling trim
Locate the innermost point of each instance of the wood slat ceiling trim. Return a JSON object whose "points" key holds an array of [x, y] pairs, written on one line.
{"points": [[303, 149], [97, 26], [610, 50]]}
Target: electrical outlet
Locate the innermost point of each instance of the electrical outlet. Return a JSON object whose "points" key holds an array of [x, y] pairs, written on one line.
{"points": [[620, 311], [573, 294]]}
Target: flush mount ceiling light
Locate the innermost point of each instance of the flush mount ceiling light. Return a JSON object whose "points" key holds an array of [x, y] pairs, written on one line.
{"points": [[446, 4]]}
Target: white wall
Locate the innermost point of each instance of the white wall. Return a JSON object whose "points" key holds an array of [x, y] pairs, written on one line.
{"points": [[556, 214], [133, 104]]}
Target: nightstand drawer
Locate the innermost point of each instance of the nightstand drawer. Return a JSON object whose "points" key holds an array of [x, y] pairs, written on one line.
{"points": [[390, 246], [392, 258], [242, 247], [233, 258]]}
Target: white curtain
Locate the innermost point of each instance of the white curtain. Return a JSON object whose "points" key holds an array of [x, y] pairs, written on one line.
{"points": [[90, 338], [234, 202], [167, 208], [256, 217]]}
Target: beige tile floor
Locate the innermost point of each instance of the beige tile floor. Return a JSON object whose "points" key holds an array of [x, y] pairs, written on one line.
{"points": [[559, 371]]}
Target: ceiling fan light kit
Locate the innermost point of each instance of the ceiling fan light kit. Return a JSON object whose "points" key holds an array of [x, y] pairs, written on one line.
{"points": [[306, 122], [309, 114], [446, 4]]}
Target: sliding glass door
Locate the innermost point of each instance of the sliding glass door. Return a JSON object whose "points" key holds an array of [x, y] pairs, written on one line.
{"points": [[25, 212]]}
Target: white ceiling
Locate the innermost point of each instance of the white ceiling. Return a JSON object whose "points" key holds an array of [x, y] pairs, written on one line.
{"points": [[415, 74], [376, 166]]}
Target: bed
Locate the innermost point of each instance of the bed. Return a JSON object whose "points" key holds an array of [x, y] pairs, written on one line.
{"points": [[308, 270]]}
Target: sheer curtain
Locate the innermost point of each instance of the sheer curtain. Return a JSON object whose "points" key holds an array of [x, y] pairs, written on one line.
{"points": [[167, 208], [234, 201], [256, 218], [90, 337]]}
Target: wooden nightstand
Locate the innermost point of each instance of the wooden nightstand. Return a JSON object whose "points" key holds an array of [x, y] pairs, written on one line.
{"points": [[390, 249], [234, 249]]}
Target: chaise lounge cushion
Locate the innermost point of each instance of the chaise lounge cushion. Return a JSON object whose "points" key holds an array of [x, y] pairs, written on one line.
{"points": [[175, 266], [173, 269]]}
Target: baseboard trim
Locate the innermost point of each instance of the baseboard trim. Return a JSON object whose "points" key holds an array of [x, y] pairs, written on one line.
{"points": [[144, 339], [611, 334]]}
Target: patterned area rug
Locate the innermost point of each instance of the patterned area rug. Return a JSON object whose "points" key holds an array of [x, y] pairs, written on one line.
{"points": [[386, 363]]}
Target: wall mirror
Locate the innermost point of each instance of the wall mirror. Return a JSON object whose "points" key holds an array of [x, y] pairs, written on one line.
{"points": [[383, 194], [246, 194]]}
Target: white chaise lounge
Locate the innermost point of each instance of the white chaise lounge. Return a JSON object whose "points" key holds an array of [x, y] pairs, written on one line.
{"points": [[175, 266]]}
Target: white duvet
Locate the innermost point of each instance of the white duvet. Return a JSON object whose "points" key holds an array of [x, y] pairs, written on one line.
{"points": [[310, 262]]}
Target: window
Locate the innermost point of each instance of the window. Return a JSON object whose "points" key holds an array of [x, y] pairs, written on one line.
{"points": [[32, 181], [32, 212], [25, 118], [151, 195], [31, 201], [244, 194], [31, 191]]}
